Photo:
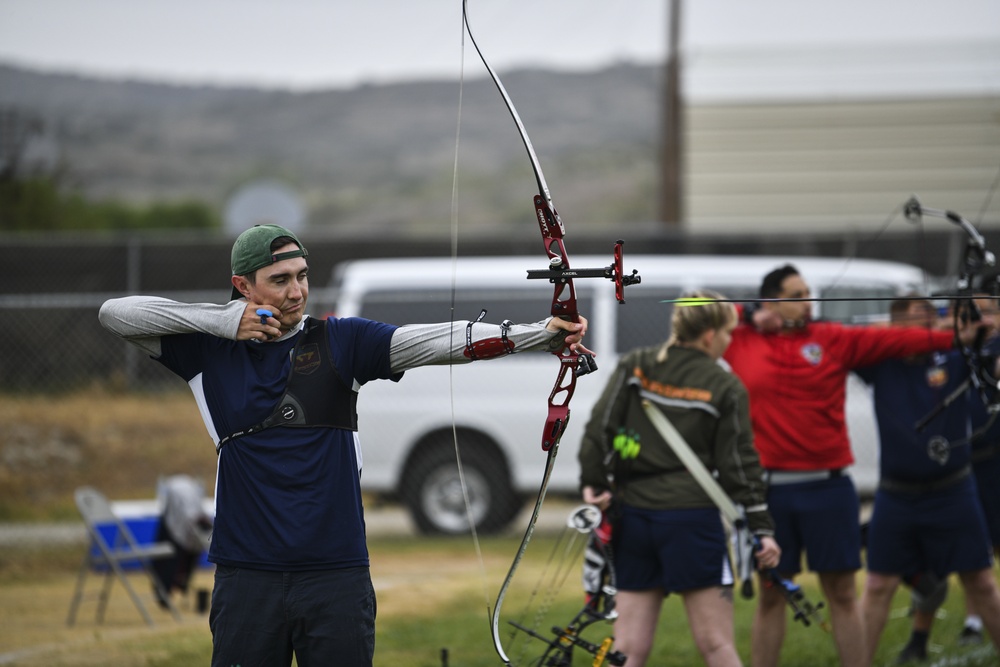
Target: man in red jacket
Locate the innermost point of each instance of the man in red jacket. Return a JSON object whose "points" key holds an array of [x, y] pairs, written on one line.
{"points": [[795, 371]]}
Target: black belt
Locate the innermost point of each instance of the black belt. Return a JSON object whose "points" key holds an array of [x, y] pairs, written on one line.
{"points": [[897, 486], [782, 477]]}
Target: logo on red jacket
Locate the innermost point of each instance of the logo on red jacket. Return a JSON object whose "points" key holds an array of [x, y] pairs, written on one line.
{"points": [[813, 353]]}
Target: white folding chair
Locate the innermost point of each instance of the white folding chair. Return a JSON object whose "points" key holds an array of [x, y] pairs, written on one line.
{"points": [[111, 553]]}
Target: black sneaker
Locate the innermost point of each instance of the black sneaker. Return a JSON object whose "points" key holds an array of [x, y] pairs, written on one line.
{"points": [[970, 636], [912, 653]]}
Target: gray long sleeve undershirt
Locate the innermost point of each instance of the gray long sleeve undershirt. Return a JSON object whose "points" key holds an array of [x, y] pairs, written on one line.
{"points": [[143, 320]]}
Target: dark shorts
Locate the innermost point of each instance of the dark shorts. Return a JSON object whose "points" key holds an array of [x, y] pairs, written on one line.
{"points": [[259, 618], [941, 532], [988, 483], [674, 550], [819, 518]]}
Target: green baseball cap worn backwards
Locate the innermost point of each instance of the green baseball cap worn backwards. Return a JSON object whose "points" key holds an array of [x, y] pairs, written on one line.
{"points": [[252, 250]]}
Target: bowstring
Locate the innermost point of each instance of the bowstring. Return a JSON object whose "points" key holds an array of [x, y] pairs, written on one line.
{"points": [[888, 222], [454, 220], [988, 199]]}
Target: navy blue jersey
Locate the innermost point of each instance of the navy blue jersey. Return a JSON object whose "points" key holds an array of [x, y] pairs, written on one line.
{"points": [[286, 498], [906, 391]]}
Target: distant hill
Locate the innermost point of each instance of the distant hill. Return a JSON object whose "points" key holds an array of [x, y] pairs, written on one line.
{"points": [[363, 158]]}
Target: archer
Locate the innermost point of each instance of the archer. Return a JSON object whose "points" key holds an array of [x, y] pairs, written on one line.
{"points": [[796, 370], [279, 391], [669, 537]]}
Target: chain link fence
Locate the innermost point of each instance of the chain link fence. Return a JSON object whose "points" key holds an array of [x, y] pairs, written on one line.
{"points": [[53, 287], [52, 291]]}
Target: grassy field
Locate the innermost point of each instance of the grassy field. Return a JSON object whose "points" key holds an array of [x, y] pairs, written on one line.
{"points": [[432, 596], [432, 593]]}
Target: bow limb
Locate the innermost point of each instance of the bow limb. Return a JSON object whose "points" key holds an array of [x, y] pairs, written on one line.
{"points": [[495, 618], [564, 304]]}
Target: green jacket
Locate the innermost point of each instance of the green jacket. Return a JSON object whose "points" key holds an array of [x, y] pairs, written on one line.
{"points": [[705, 403]]}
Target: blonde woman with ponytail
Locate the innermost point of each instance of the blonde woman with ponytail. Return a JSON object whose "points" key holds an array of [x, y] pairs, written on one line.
{"points": [[668, 535]]}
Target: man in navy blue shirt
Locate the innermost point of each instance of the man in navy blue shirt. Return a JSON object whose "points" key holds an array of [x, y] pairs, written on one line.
{"points": [[929, 594], [277, 391], [926, 516]]}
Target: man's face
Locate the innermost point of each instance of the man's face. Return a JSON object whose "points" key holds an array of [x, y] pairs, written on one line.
{"points": [[284, 285], [796, 312], [918, 314]]}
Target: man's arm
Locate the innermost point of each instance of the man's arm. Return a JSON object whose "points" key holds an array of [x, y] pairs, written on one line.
{"points": [[143, 320], [740, 472], [416, 345], [869, 345]]}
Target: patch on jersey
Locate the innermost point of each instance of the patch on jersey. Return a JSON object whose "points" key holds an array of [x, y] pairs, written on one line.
{"points": [[813, 353], [307, 359], [937, 376]]}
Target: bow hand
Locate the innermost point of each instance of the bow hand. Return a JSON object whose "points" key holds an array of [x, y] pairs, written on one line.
{"points": [[768, 553], [569, 335]]}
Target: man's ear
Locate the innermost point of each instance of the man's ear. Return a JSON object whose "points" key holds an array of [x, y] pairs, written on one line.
{"points": [[242, 285]]}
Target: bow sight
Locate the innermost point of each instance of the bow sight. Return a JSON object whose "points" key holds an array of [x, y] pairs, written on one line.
{"points": [[558, 272]]}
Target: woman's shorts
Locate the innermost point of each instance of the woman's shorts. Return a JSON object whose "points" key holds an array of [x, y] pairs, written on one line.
{"points": [[673, 550]]}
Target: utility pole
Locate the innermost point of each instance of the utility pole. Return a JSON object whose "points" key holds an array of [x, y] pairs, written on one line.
{"points": [[672, 129]]}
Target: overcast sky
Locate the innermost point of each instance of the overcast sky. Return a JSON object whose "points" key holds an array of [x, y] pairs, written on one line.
{"points": [[306, 44]]}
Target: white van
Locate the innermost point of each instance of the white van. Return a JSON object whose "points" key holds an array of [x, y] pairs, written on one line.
{"points": [[499, 407]]}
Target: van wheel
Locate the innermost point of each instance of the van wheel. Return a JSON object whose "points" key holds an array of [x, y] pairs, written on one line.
{"points": [[432, 488]]}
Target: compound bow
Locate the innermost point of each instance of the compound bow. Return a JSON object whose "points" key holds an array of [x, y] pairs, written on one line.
{"points": [[977, 259]]}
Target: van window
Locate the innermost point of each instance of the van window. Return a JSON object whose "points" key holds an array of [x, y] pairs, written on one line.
{"points": [[401, 306], [644, 320], [856, 312]]}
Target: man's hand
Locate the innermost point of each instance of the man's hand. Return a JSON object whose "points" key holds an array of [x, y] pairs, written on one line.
{"points": [[602, 500], [259, 328], [768, 321], [575, 331], [769, 553], [968, 331]]}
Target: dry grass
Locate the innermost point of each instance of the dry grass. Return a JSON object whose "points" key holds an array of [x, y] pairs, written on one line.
{"points": [[119, 443], [122, 444], [431, 593], [414, 579]]}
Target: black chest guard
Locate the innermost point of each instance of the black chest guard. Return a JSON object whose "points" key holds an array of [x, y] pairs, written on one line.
{"points": [[315, 394]]}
